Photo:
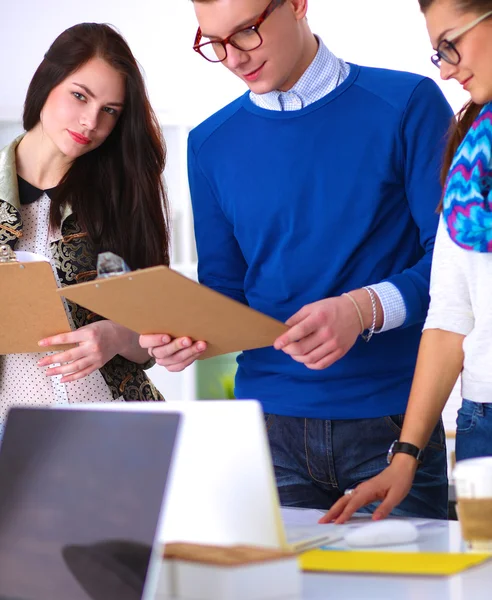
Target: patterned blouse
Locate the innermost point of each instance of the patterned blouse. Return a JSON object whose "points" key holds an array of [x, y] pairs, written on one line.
{"points": [[22, 382], [25, 226]]}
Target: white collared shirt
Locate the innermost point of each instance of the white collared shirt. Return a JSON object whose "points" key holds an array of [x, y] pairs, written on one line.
{"points": [[322, 76]]}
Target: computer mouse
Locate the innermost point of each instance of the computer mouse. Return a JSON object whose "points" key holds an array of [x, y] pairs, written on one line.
{"points": [[382, 533]]}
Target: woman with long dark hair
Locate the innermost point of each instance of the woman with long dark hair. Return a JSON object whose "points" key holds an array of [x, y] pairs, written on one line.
{"points": [[85, 178], [458, 329]]}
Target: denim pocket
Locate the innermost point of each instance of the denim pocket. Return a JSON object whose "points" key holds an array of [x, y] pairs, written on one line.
{"points": [[467, 416], [438, 437], [395, 423]]}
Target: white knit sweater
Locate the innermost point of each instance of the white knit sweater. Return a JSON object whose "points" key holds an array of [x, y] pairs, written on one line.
{"points": [[461, 302]]}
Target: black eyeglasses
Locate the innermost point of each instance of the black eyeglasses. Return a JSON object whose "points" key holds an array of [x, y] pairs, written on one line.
{"points": [[446, 49], [245, 39]]}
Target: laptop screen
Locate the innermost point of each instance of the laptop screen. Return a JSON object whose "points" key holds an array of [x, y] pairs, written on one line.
{"points": [[80, 498]]}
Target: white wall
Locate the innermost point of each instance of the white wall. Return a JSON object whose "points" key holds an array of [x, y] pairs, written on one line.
{"points": [[389, 33], [384, 33]]}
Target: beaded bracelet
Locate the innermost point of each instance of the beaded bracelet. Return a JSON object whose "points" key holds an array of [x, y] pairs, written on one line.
{"points": [[367, 336]]}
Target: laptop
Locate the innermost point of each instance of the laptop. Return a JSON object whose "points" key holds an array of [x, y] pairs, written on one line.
{"points": [[222, 488], [81, 496]]}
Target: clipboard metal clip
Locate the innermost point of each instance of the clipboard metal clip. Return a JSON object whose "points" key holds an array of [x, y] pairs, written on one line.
{"points": [[110, 264], [7, 254]]}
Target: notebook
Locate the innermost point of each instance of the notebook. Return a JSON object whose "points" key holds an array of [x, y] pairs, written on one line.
{"points": [[394, 563], [81, 496]]}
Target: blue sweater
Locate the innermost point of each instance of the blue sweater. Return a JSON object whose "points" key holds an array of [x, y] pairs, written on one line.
{"points": [[293, 207]]}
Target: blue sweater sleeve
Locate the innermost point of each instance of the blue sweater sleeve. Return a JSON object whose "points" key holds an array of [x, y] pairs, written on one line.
{"points": [[221, 264], [424, 126]]}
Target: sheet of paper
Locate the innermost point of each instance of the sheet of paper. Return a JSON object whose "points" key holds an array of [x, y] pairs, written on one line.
{"points": [[293, 516], [315, 536], [304, 531], [28, 257]]}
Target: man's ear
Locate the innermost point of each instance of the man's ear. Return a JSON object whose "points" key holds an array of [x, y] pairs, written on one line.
{"points": [[299, 8]]}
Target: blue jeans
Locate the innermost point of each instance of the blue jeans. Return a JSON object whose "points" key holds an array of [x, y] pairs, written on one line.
{"points": [[315, 461], [474, 430]]}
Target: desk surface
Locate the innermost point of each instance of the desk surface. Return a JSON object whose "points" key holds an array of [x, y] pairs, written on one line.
{"points": [[438, 536], [434, 536]]}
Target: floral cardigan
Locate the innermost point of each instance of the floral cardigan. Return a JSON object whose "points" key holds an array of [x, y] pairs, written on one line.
{"points": [[74, 258]]}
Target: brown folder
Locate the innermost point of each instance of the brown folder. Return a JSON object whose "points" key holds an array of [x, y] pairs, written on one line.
{"points": [[31, 309], [160, 300]]}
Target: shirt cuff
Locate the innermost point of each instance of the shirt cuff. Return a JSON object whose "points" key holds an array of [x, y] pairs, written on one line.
{"points": [[393, 304]]}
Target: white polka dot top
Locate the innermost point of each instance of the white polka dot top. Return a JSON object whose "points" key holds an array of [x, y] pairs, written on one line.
{"points": [[22, 382]]}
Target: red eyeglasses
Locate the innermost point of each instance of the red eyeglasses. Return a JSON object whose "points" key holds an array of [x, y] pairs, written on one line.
{"points": [[245, 39]]}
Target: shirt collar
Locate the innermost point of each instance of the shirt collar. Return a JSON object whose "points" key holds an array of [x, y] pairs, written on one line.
{"points": [[29, 193], [322, 76]]}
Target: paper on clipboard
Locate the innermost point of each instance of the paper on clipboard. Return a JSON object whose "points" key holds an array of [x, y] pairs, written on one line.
{"points": [[31, 308], [160, 300]]}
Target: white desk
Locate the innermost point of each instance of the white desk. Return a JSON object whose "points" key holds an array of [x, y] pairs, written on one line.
{"points": [[435, 536], [473, 584]]}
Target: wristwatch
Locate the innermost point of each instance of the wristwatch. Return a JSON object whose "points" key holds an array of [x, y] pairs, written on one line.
{"points": [[406, 448]]}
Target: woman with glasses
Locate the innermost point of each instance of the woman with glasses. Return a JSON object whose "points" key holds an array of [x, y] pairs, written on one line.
{"points": [[86, 177], [457, 336]]}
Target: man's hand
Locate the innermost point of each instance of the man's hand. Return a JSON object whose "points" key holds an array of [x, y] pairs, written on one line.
{"points": [[390, 487], [321, 332], [174, 354]]}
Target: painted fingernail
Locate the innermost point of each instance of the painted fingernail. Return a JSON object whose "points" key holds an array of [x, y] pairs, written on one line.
{"points": [[186, 343], [166, 339]]}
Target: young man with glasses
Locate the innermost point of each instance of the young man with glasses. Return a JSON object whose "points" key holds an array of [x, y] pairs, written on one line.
{"points": [[314, 200]]}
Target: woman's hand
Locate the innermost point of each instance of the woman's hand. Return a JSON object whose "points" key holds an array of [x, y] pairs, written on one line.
{"points": [[390, 487], [96, 344]]}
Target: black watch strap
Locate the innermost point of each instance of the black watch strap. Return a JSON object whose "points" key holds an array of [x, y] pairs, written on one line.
{"points": [[406, 448]]}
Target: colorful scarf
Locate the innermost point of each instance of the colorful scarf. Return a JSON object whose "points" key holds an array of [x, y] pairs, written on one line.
{"points": [[467, 200]]}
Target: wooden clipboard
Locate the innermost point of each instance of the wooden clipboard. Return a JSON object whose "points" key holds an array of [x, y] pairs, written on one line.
{"points": [[160, 300], [31, 308]]}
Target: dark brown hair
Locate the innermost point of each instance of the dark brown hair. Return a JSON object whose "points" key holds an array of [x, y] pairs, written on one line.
{"points": [[116, 191], [470, 111]]}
